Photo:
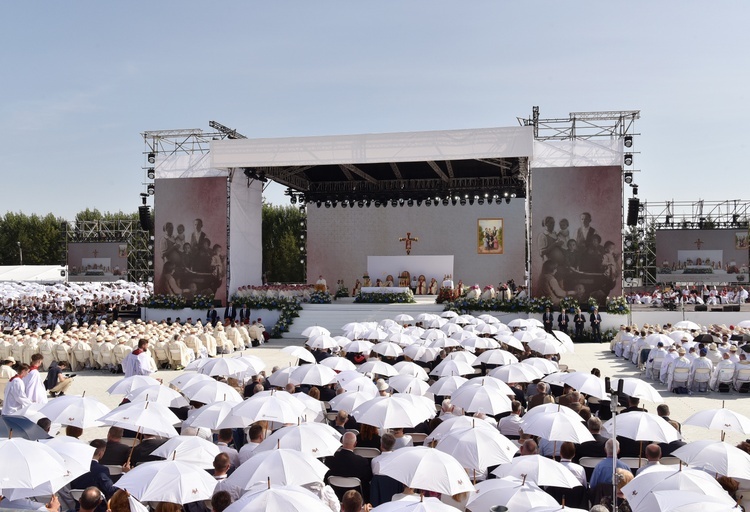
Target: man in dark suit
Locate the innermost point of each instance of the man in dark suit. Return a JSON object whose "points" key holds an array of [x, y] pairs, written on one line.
{"points": [[579, 320], [212, 316], [347, 463], [230, 312], [593, 448], [142, 452], [116, 452], [563, 319], [244, 314], [98, 475], [596, 325], [548, 319]]}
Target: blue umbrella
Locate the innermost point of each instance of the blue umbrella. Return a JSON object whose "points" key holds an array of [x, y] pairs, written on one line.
{"points": [[22, 427]]}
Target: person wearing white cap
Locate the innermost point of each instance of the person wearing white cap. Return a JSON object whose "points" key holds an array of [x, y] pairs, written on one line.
{"points": [[382, 386], [724, 364], [666, 363], [680, 362], [6, 368]]}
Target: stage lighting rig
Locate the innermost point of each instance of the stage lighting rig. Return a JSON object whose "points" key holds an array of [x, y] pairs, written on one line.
{"points": [[150, 189], [628, 159], [252, 174], [628, 141], [151, 157], [151, 173], [628, 177]]}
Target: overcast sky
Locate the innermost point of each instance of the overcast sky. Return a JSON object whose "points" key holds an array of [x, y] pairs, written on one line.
{"points": [[82, 80]]}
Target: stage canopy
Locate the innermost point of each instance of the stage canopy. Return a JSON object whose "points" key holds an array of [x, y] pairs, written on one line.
{"points": [[416, 165], [34, 273]]}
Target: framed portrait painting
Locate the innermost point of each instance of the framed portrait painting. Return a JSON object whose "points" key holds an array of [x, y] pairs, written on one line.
{"points": [[741, 240], [489, 236]]}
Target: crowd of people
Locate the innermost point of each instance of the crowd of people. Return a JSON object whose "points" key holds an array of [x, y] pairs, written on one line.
{"points": [[710, 295]]}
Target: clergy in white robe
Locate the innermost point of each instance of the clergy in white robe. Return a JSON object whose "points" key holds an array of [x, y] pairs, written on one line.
{"points": [[179, 352], [35, 390], [15, 397]]}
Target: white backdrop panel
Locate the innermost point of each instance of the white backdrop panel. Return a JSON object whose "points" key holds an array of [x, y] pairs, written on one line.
{"points": [[245, 233], [577, 153], [181, 165]]}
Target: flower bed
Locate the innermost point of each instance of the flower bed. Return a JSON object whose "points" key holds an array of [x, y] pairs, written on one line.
{"points": [[385, 298]]}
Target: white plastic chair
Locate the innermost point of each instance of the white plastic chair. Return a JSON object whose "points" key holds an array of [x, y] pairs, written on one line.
{"points": [[654, 368], [680, 377], [726, 376], [742, 377], [701, 377]]}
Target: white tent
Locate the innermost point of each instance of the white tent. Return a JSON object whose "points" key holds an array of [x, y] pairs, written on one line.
{"points": [[34, 273]]}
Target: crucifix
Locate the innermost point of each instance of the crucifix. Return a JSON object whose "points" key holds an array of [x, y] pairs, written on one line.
{"points": [[699, 242], [96, 253], [407, 242]]}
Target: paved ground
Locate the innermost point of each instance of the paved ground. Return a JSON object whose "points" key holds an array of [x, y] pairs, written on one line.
{"points": [[586, 356]]}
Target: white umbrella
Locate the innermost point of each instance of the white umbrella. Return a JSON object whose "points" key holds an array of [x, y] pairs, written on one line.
{"points": [[128, 384], [414, 503], [314, 439], [638, 388], [425, 468], [376, 334], [496, 357], [419, 352], [682, 501], [451, 367], [287, 498], [462, 355], [283, 466], [76, 456], [489, 319], [587, 383], [403, 318], [557, 508], [223, 367], [668, 478], [216, 416], [254, 364], [28, 464], [279, 406], [452, 424], [434, 335], [378, 367], [338, 364], [518, 372], [299, 353], [513, 493], [78, 411], [411, 368], [557, 426], [491, 382], [539, 470], [402, 339], [478, 448], [720, 419], [543, 409], [556, 378], [654, 339], [718, 456], [451, 329], [363, 384], [547, 345], [161, 394], [745, 324], [687, 324], [400, 410], [473, 344], [490, 401], [387, 349], [509, 340], [322, 341], [642, 426], [350, 400], [408, 384], [446, 386], [210, 392], [190, 449], [565, 340], [147, 417], [359, 347], [315, 330], [172, 481], [187, 378], [280, 378], [543, 365], [313, 374]]}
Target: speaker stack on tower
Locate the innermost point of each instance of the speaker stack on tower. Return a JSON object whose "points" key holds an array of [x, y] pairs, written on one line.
{"points": [[144, 215], [633, 206]]}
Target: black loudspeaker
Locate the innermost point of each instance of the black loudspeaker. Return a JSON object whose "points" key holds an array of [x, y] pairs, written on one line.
{"points": [[633, 205], [144, 215], [701, 307]]}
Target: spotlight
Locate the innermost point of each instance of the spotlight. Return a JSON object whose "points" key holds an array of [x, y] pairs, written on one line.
{"points": [[628, 141], [410, 202], [471, 200], [628, 160], [463, 201], [394, 202], [151, 189], [293, 199], [428, 202], [377, 203], [507, 200], [513, 194], [334, 203], [480, 200], [401, 201], [151, 158], [419, 202], [328, 204], [445, 201], [635, 190], [151, 173], [367, 203], [628, 177], [506, 194], [344, 204], [318, 203], [360, 203], [302, 209]]}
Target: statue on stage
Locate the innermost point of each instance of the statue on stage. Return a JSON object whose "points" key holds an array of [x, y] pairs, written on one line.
{"points": [[404, 279], [367, 283], [407, 242], [357, 287], [388, 281], [422, 285]]}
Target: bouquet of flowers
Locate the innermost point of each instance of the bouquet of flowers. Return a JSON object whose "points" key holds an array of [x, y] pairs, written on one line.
{"points": [[320, 298], [617, 305], [569, 304], [165, 302], [386, 298], [202, 301]]}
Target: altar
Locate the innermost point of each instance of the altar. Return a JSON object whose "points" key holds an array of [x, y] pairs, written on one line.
{"points": [[384, 289], [437, 266]]}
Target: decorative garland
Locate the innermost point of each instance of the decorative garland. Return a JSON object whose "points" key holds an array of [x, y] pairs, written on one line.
{"points": [[385, 298]]}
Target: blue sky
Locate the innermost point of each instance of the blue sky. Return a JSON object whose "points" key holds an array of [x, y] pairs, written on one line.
{"points": [[82, 80]]}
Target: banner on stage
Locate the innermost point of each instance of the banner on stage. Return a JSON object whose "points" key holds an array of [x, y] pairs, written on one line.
{"points": [[576, 233], [489, 236], [190, 252]]}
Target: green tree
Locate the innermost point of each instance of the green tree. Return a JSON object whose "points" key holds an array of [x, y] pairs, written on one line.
{"points": [[283, 234], [39, 239]]}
